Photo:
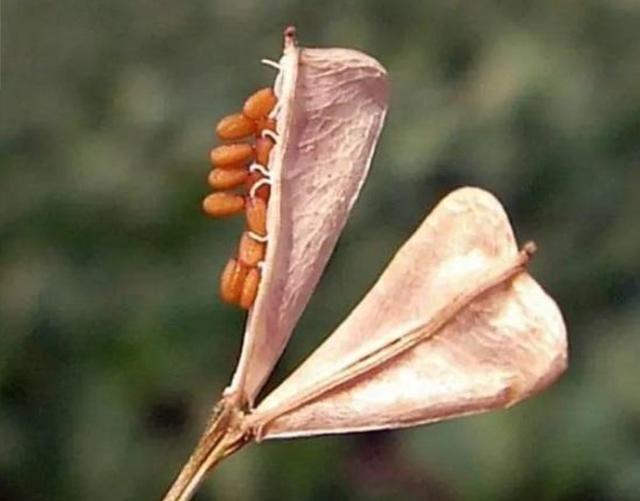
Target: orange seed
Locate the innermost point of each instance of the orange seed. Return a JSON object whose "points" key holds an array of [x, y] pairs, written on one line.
{"points": [[230, 155], [250, 252], [259, 104], [256, 212], [265, 123], [223, 204], [262, 149], [262, 192], [250, 288], [232, 281], [235, 126], [224, 179]]}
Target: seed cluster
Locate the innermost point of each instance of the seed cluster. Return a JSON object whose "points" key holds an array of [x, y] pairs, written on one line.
{"points": [[240, 178]]}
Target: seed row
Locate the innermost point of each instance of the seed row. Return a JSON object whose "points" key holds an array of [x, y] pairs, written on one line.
{"points": [[241, 184]]}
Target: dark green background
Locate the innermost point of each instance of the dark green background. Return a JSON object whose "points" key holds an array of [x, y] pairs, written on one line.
{"points": [[113, 342]]}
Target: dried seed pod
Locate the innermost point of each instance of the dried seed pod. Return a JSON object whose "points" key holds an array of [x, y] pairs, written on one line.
{"points": [[259, 104], [232, 281], [263, 191], [256, 212], [235, 126], [454, 311], [231, 155], [263, 147], [250, 288], [489, 335], [223, 204], [250, 251], [330, 110], [225, 179]]}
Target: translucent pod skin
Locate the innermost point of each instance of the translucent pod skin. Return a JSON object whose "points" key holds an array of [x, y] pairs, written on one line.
{"points": [[230, 155], [223, 204], [225, 179], [259, 104], [263, 147], [236, 126], [250, 251], [256, 213], [250, 288], [264, 191], [232, 281]]}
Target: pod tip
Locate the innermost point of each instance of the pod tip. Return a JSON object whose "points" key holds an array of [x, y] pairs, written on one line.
{"points": [[290, 35]]}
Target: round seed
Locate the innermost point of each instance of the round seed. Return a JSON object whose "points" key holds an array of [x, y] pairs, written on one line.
{"points": [[223, 204], [232, 281], [265, 123], [250, 252], [224, 179], [230, 155], [250, 288], [235, 126], [263, 148], [262, 192], [256, 213], [259, 104]]}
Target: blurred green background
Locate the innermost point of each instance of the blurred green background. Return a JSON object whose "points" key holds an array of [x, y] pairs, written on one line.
{"points": [[113, 342]]}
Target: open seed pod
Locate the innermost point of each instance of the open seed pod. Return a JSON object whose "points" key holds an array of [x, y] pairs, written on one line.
{"points": [[453, 326], [331, 107]]}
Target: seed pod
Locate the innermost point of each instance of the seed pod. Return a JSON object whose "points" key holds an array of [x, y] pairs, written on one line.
{"points": [[264, 191], [263, 148], [259, 104], [235, 126], [232, 281], [230, 155], [250, 288], [265, 123], [330, 109], [223, 204], [250, 252], [256, 212], [224, 179]]}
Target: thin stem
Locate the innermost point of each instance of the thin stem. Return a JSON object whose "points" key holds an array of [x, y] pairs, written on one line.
{"points": [[221, 438]]}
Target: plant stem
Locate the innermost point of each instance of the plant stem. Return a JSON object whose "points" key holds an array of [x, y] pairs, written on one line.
{"points": [[223, 436]]}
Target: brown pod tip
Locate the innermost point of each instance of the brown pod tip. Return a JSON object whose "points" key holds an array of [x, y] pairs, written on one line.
{"points": [[223, 204], [225, 179], [232, 281], [230, 155], [235, 126], [259, 104], [250, 288], [250, 251], [256, 212]]}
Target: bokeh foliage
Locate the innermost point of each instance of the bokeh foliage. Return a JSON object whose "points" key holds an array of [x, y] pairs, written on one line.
{"points": [[112, 341]]}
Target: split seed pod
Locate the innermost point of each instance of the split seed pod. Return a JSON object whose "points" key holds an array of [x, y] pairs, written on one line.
{"points": [[453, 326], [331, 107]]}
